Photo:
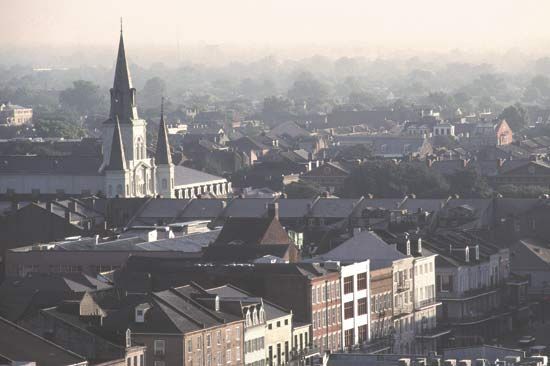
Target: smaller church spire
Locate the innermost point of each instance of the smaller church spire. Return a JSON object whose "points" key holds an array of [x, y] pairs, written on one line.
{"points": [[162, 155], [117, 161]]}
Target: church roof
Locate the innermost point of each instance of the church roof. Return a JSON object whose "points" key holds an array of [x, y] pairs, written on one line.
{"points": [[162, 155], [117, 161]]}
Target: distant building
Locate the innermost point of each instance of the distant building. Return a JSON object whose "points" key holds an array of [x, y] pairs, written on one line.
{"points": [[122, 169], [14, 115]]}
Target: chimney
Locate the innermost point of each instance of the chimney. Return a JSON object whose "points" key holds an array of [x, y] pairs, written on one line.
{"points": [[273, 210], [419, 246], [49, 206], [477, 252], [499, 163], [68, 215], [72, 205], [467, 254]]}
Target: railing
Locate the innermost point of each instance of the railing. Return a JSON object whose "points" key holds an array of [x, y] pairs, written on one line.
{"points": [[403, 285], [402, 309], [427, 302]]}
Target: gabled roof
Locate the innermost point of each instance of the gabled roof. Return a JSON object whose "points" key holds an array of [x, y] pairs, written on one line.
{"points": [[363, 246], [259, 231], [530, 254], [19, 344]]}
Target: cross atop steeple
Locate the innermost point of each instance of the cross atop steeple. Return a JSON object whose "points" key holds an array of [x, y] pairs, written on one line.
{"points": [[123, 94]]}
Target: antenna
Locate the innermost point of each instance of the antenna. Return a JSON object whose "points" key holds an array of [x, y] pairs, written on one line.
{"points": [[120, 25]]}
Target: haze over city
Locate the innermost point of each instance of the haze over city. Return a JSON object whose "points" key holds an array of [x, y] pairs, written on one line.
{"points": [[274, 183], [170, 31]]}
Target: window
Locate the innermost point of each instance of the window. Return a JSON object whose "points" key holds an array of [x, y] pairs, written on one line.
{"points": [[278, 324], [362, 333], [286, 321], [362, 306], [238, 333], [219, 336], [228, 335], [313, 295], [444, 283], [208, 340], [348, 285], [238, 353], [228, 356], [189, 345], [199, 342], [159, 347], [348, 338], [219, 358], [362, 281], [348, 310], [270, 326]]}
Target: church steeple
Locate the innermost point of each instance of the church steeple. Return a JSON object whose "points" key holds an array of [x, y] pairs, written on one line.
{"points": [[117, 161], [123, 94], [162, 154]]}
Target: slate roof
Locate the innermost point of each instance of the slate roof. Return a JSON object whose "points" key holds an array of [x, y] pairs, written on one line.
{"points": [[174, 311], [259, 230], [272, 311], [363, 246], [530, 254], [184, 176], [36, 291], [19, 344], [58, 165], [289, 128]]}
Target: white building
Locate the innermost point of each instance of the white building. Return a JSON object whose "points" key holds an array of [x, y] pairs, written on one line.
{"points": [[123, 169]]}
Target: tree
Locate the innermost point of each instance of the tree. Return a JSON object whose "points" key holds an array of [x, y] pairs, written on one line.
{"points": [[84, 97], [276, 105], [353, 152], [516, 116], [385, 178], [513, 191], [58, 128], [302, 190], [468, 183], [153, 91], [538, 90], [306, 88]]}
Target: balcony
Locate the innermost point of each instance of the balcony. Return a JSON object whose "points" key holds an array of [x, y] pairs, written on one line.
{"points": [[478, 318], [403, 285], [434, 333], [426, 303], [402, 309]]}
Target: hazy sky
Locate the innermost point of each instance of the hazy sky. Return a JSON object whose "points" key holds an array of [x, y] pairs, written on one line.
{"points": [[397, 23]]}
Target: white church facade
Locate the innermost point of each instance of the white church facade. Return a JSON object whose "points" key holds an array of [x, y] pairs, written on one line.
{"points": [[123, 169]]}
